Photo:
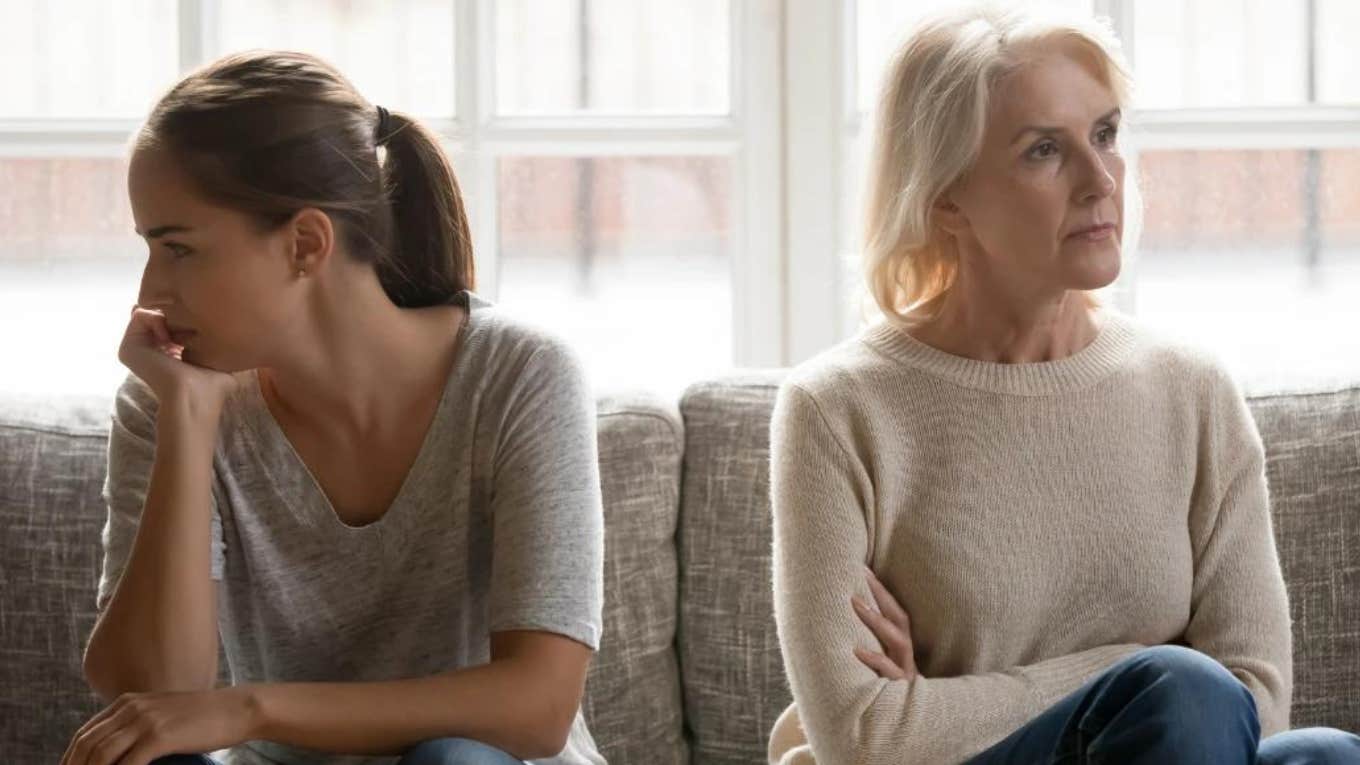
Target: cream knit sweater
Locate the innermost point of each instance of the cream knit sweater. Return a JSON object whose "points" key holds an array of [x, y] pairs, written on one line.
{"points": [[1038, 522]]}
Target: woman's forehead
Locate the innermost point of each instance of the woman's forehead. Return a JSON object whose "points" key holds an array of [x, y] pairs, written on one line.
{"points": [[1051, 89], [162, 195]]}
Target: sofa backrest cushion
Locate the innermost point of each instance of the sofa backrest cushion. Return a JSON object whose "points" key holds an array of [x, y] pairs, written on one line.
{"points": [[632, 702], [51, 470], [731, 669], [1312, 445]]}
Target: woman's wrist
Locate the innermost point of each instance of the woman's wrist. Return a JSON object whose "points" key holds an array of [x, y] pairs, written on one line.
{"points": [[187, 409], [248, 700]]}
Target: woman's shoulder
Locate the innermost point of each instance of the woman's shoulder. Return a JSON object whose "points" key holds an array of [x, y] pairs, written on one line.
{"points": [[511, 336], [844, 372], [509, 350], [1174, 356]]}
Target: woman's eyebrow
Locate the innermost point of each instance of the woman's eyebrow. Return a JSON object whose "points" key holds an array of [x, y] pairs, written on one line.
{"points": [[1111, 115], [160, 231]]}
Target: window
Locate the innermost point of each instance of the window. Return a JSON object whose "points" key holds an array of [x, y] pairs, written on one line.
{"points": [[614, 155], [675, 186]]}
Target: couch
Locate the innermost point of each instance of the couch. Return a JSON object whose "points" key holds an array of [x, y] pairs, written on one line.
{"points": [[689, 668]]}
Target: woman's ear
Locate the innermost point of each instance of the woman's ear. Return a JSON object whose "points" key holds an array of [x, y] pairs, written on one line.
{"points": [[313, 238], [948, 216]]}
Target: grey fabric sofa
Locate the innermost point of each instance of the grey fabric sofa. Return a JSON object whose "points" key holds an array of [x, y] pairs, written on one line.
{"points": [[689, 669]]}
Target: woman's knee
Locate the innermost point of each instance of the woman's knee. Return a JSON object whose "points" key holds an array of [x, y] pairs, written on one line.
{"points": [[1310, 746], [456, 751], [1194, 687], [1172, 704], [1187, 677]]}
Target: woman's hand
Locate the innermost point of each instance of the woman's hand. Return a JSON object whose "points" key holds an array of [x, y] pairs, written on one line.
{"points": [[149, 350], [140, 727], [891, 625]]}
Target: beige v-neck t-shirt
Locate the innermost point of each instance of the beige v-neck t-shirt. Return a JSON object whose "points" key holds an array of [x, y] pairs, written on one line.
{"points": [[497, 526]]}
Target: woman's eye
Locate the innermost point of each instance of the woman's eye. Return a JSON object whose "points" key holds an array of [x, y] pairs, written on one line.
{"points": [[1044, 150], [1107, 134], [178, 250]]}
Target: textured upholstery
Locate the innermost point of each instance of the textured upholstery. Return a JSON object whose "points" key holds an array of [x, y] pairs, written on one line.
{"points": [[687, 568], [732, 670], [633, 692]]}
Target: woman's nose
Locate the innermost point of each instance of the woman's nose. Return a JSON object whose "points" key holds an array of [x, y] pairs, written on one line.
{"points": [[1098, 180], [154, 291]]}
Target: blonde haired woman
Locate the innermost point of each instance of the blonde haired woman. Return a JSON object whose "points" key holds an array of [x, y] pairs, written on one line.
{"points": [[1010, 524]]}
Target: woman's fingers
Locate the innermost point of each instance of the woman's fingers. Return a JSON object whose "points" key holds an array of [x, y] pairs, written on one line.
{"points": [[880, 664], [894, 641], [76, 748], [147, 328], [99, 736], [155, 321], [889, 623], [111, 749], [887, 604]]}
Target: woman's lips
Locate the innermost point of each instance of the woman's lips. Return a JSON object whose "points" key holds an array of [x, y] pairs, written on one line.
{"points": [[1093, 233]]}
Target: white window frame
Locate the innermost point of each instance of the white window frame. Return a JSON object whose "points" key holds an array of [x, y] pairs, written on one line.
{"points": [[479, 138]]}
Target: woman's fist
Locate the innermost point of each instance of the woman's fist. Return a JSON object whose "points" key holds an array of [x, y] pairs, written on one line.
{"points": [[156, 356]]}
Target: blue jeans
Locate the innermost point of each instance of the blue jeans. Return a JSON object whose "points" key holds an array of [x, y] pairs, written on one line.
{"points": [[439, 751], [1165, 704]]}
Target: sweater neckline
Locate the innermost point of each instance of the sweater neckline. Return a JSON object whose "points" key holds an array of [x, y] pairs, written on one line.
{"points": [[1102, 356]]}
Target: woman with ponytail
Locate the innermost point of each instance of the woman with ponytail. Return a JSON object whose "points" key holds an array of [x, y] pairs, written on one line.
{"points": [[378, 491]]}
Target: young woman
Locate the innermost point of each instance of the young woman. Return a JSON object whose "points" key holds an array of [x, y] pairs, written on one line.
{"points": [[377, 489], [1011, 525]]}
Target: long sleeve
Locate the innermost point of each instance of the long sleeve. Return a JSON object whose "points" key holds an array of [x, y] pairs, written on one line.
{"points": [[1239, 605], [824, 508]]}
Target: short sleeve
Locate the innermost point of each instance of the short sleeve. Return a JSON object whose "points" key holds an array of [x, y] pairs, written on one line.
{"points": [[132, 451], [548, 526]]}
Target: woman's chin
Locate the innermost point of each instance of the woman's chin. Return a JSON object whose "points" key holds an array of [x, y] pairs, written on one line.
{"points": [[198, 358], [1095, 270]]}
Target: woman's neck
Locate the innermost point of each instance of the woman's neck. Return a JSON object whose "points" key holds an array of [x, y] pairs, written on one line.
{"points": [[365, 363], [1005, 330]]}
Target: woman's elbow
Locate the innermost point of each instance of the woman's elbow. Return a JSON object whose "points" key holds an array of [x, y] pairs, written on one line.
{"points": [[552, 728], [108, 680]]}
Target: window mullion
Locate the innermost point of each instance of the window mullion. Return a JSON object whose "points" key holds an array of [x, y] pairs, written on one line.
{"points": [[199, 40], [757, 254], [814, 146], [476, 82]]}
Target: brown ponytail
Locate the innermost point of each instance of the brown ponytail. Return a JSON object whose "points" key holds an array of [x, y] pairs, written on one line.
{"points": [[272, 132], [433, 241]]}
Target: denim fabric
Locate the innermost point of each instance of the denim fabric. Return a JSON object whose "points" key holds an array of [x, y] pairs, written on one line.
{"points": [[456, 751], [439, 751], [1160, 705]]}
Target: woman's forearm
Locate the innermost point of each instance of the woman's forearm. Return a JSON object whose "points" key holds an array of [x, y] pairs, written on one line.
{"points": [[159, 631], [496, 704]]}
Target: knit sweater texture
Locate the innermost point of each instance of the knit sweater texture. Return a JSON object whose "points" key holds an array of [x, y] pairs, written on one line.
{"points": [[1038, 522]]}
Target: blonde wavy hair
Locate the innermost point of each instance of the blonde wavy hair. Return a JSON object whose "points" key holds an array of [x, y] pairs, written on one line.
{"points": [[929, 129]]}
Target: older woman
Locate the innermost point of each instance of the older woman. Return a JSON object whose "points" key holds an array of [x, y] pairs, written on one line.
{"points": [[1052, 526]]}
